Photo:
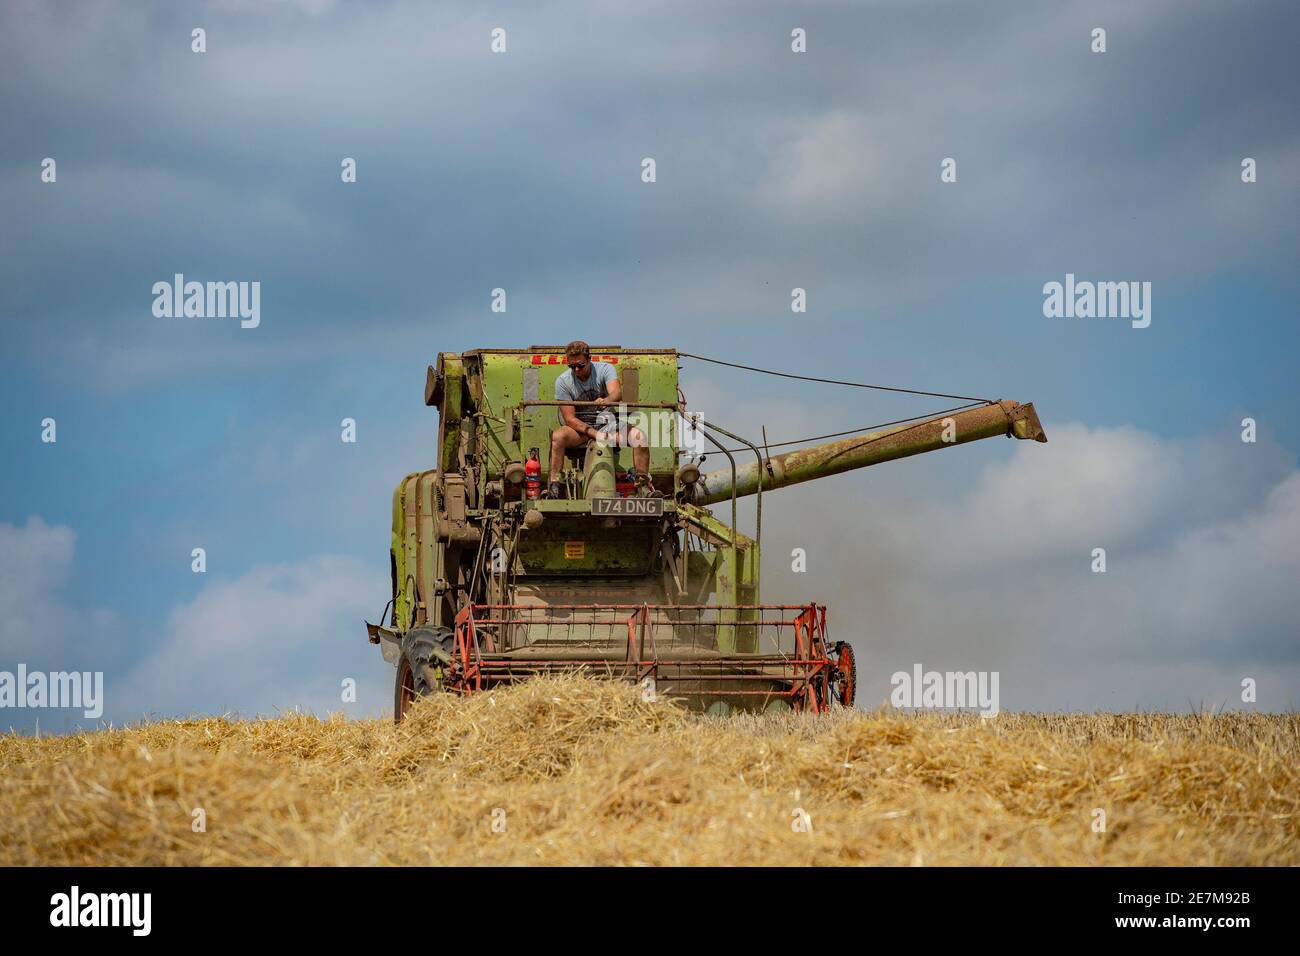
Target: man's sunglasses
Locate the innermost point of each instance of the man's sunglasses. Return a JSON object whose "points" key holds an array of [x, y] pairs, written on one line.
{"points": [[577, 365]]}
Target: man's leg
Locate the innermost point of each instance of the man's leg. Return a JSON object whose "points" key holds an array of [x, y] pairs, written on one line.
{"points": [[640, 450], [562, 438], [633, 436]]}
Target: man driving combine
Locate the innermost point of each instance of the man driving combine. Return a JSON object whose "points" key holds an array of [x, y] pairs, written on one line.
{"points": [[588, 381]]}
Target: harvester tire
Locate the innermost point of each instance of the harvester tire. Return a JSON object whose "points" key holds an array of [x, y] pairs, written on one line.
{"points": [[844, 684], [426, 652]]}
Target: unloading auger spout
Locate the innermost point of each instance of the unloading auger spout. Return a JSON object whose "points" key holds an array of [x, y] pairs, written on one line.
{"points": [[872, 448]]}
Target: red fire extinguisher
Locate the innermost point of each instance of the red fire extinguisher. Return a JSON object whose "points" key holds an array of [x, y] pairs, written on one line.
{"points": [[533, 475], [624, 485]]}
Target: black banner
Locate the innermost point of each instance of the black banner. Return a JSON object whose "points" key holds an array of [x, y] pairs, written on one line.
{"points": [[213, 906]]}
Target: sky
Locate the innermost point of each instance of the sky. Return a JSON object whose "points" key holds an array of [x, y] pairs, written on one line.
{"points": [[774, 170]]}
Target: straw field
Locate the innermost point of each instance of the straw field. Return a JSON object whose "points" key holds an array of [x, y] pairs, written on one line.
{"points": [[575, 771]]}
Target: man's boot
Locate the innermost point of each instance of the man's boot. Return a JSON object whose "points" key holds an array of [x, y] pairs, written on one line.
{"points": [[644, 487]]}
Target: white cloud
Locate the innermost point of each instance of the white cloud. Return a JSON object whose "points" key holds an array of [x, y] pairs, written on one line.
{"points": [[277, 637], [827, 161], [37, 624], [1203, 556], [1228, 587], [1087, 488]]}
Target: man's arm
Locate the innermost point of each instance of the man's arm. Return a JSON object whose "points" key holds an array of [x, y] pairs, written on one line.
{"points": [[615, 389], [570, 415]]}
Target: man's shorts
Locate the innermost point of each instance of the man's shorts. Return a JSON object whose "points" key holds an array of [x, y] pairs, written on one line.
{"points": [[618, 435]]}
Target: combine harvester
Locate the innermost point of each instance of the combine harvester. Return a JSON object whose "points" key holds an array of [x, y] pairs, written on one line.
{"points": [[491, 586]]}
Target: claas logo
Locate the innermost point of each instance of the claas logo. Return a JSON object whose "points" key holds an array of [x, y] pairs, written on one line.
{"points": [[559, 359]]}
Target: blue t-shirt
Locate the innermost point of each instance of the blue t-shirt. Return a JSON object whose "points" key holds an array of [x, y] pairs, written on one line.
{"points": [[570, 388]]}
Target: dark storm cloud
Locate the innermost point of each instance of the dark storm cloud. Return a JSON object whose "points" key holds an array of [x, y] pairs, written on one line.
{"points": [[522, 170]]}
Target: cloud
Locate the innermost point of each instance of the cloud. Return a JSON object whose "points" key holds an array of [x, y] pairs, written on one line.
{"points": [[39, 624], [1095, 487], [830, 160], [1226, 591], [275, 638], [34, 560], [818, 169], [1202, 540]]}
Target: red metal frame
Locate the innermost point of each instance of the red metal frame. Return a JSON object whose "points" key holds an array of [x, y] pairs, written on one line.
{"points": [[797, 668]]}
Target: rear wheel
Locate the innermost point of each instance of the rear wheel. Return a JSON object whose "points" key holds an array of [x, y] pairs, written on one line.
{"points": [[844, 674], [426, 652]]}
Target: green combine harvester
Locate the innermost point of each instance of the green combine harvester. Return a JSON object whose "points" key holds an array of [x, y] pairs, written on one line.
{"points": [[491, 586]]}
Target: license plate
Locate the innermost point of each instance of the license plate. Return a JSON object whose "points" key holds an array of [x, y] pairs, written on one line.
{"points": [[628, 507]]}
